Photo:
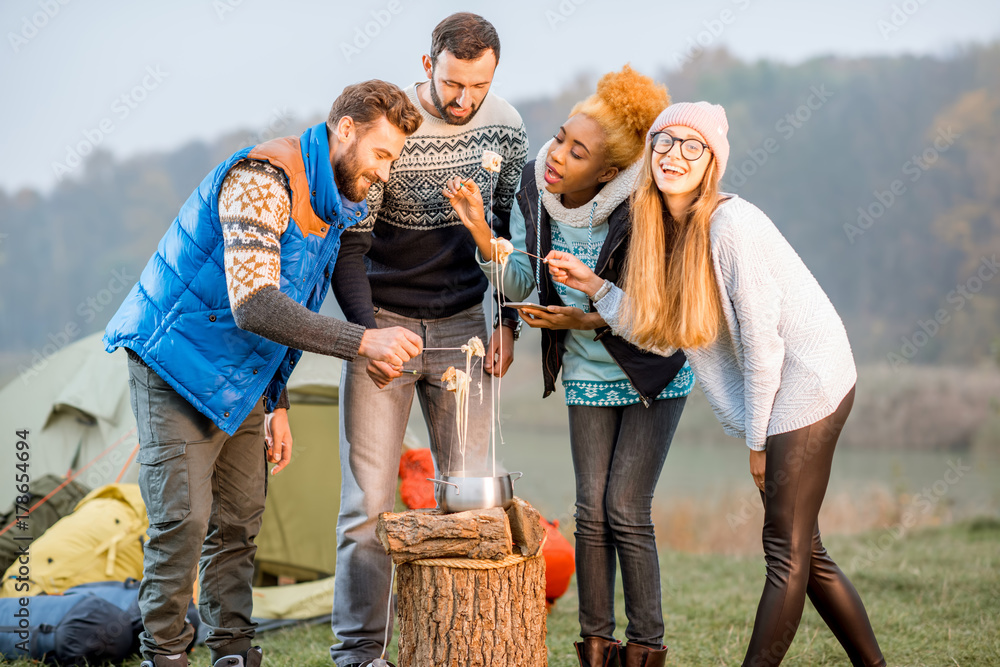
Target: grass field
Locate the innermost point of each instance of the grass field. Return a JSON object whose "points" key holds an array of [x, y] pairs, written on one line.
{"points": [[933, 596]]}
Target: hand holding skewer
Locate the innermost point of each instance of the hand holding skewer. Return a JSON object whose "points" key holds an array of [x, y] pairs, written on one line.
{"points": [[467, 201], [565, 268]]}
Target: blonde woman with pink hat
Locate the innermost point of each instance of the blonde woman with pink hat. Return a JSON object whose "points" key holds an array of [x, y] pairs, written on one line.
{"points": [[709, 273]]}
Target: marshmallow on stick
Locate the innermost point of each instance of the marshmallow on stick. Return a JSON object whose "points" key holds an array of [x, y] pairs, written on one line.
{"points": [[492, 161], [474, 348], [501, 250], [455, 379]]}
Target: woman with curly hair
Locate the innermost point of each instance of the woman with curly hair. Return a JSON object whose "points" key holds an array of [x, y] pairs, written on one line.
{"points": [[624, 404], [709, 273]]}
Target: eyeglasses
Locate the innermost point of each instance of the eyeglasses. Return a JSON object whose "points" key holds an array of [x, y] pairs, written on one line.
{"points": [[691, 149]]}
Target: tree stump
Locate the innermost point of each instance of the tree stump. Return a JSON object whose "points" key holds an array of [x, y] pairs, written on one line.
{"points": [[459, 612]]}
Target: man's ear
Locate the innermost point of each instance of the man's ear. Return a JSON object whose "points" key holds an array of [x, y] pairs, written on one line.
{"points": [[428, 65], [608, 175], [345, 129]]}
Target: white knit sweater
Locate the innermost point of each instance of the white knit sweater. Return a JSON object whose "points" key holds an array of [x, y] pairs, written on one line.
{"points": [[782, 361]]}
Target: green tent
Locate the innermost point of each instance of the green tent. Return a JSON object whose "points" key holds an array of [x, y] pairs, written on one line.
{"points": [[76, 409]]}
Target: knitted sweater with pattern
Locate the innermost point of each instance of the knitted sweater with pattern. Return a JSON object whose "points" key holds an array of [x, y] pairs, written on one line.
{"points": [[418, 257], [254, 209]]}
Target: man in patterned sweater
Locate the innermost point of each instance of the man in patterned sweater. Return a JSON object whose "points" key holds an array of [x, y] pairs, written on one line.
{"points": [[213, 329], [420, 273]]}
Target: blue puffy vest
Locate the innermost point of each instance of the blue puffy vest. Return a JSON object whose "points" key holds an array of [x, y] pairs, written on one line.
{"points": [[178, 317]]}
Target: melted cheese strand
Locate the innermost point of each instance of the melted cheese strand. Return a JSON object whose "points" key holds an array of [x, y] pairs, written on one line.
{"points": [[458, 382]]}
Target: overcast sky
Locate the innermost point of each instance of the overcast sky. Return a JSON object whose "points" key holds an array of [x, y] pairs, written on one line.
{"points": [[137, 75]]}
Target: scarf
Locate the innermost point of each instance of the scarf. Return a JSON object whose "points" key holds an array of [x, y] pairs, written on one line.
{"points": [[611, 195]]}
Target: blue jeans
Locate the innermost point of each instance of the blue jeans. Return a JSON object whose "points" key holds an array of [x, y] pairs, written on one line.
{"points": [[618, 453], [372, 426]]}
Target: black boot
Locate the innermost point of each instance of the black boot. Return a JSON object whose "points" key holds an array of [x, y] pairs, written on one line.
{"points": [[598, 652], [637, 655]]}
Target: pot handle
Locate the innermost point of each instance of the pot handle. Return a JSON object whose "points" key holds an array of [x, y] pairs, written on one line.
{"points": [[441, 481], [519, 476]]}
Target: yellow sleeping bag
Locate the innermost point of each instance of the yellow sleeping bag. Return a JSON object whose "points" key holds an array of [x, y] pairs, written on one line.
{"points": [[100, 541]]}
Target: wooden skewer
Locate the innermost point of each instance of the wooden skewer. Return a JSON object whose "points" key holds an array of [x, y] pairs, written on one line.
{"points": [[441, 348], [530, 255], [523, 252]]}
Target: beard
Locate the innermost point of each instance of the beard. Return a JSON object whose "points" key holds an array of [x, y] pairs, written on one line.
{"points": [[347, 173], [443, 110]]}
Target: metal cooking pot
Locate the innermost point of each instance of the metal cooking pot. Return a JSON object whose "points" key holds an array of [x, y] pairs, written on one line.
{"points": [[455, 493]]}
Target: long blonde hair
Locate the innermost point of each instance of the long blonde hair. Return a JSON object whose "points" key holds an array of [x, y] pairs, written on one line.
{"points": [[669, 277]]}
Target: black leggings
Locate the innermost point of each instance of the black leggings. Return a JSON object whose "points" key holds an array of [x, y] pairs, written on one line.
{"points": [[795, 478]]}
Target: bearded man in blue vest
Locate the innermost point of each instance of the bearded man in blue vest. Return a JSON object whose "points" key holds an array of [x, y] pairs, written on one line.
{"points": [[214, 328]]}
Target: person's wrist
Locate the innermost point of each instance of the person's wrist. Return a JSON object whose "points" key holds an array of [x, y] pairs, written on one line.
{"points": [[473, 222], [513, 324], [363, 346], [593, 286], [481, 237]]}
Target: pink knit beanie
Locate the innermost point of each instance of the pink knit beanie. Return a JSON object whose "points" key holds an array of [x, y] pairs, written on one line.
{"points": [[707, 119]]}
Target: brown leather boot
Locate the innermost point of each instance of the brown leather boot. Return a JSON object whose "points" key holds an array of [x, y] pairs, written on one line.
{"points": [[637, 655], [598, 652]]}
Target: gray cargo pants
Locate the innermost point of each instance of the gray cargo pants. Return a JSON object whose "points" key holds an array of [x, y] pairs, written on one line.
{"points": [[204, 493]]}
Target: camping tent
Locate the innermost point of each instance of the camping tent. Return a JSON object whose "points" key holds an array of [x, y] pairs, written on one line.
{"points": [[76, 408]]}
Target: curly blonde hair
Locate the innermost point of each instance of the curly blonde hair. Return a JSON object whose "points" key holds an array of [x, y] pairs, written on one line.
{"points": [[625, 105]]}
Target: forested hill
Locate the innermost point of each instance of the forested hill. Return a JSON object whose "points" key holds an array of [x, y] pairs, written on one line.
{"points": [[883, 173]]}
